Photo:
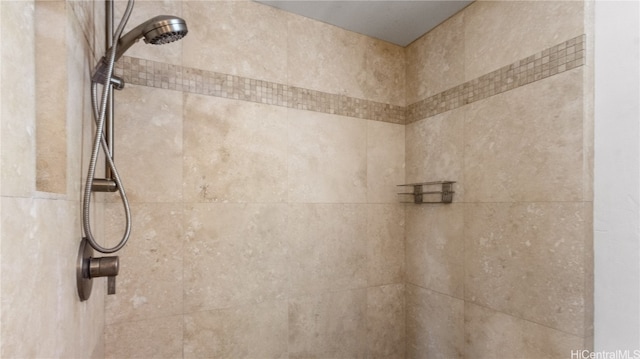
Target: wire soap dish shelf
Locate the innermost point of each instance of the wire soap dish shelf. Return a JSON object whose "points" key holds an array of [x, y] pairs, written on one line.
{"points": [[445, 193]]}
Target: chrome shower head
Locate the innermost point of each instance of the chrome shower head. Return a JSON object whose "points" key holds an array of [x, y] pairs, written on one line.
{"points": [[164, 29], [159, 30]]}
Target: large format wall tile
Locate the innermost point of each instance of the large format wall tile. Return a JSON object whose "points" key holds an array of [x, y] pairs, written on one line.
{"points": [[148, 144], [527, 260], [79, 117], [588, 275], [435, 62], [150, 281], [18, 98], [385, 244], [435, 151], [532, 26], [29, 327], [154, 338], [385, 65], [328, 325], [434, 247], [526, 144], [327, 158], [237, 37], [490, 334], [253, 331], [235, 254], [234, 151], [385, 161], [42, 315], [328, 247], [51, 104], [327, 58], [386, 322], [435, 324]]}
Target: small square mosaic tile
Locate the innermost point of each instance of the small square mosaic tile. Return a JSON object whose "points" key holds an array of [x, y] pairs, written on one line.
{"points": [[554, 60]]}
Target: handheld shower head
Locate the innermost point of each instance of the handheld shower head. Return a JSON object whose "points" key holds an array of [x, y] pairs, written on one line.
{"points": [[164, 29], [159, 30]]}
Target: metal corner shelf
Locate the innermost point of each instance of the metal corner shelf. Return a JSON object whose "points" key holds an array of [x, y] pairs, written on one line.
{"points": [[446, 191]]}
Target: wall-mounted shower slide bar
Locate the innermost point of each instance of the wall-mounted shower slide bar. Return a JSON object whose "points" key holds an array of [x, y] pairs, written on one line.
{"points": [[108, 183], [444, 195], [159, 30]]}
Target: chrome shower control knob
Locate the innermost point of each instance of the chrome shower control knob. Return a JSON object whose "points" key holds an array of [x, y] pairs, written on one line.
{"points": [[89, 267], [105, 267]]}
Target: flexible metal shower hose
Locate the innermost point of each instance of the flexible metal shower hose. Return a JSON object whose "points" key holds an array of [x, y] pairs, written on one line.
{"points": [[99, 140]]}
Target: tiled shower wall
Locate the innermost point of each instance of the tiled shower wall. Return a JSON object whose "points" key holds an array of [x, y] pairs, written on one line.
{"points": [[266, 223], [504, 271], [262, 171], [45, 51], [263, 187]]}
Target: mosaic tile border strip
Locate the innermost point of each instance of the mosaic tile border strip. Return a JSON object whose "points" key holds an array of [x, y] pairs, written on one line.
{"points": [[552, 61], [161, 75]]}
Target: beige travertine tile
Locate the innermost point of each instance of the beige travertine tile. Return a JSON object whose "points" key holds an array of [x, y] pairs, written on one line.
{"points": [[234, 151], [149, 284], [435, 324], [51, 104], [434, 247], [238, 38], [385, 65], [435, 62], [435, 151], [79, 117], [330, 59], [385, 244], [490, 334], [385, 161], [41, 313], [386, 322], [29, 327], [82, 13], [145, 10], [327, 158], [328, 247], [527, 260], [589, 305], [527, 145], [235, 254], [532, 27], [588, 88], [153, 338], [328, 325], [148, 144], [17, 112], [255, 331]]}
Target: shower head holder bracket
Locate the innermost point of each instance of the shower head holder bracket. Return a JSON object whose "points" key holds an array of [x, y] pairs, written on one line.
{"points": [[100, 75]]}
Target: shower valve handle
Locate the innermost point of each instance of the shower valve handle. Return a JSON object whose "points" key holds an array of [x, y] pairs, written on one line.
{"points": [[105, 267], [111, 285]]}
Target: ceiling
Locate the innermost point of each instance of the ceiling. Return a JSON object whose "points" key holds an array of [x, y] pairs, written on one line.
{"points": [[398, 22]]}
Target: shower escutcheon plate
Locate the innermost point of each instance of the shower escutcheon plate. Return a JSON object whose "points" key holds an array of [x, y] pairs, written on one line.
{"points": [[88, 267]]}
